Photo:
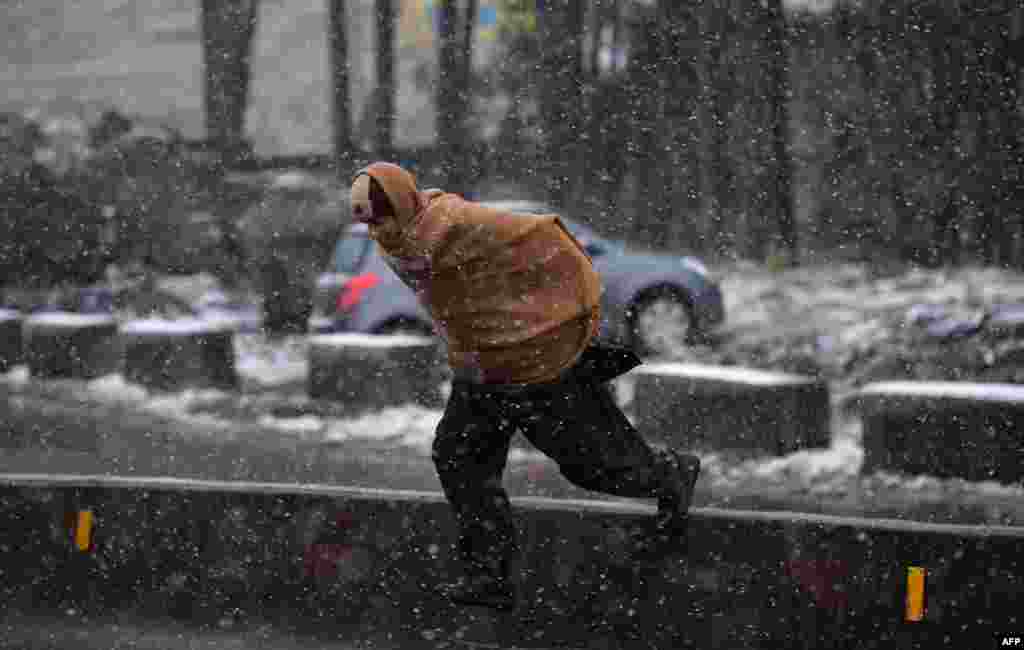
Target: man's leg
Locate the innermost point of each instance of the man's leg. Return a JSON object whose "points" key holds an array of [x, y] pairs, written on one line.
{"points": [[578, 424], [470, 451]]}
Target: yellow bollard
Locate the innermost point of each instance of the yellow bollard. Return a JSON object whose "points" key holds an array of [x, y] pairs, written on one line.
{"points": [[915, 593], [83, 530]]}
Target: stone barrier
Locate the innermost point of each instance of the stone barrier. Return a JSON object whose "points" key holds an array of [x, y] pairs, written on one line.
{"points": [[11, 342], [68, 345], [944, 429], [170, 355], [714, 408], [361, 564], [373, 372]]}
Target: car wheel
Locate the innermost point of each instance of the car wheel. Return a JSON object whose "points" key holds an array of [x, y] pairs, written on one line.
{"points": [[662, 324]]}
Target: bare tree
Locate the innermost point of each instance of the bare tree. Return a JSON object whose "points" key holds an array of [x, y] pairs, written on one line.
{"points": [[384, 139], [560, 24], [455, 91], [228, 27], [337, 38], [448, 108], [781, 190]]}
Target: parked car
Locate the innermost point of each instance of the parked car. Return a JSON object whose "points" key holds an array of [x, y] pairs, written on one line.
{"points": [[654, 303]]}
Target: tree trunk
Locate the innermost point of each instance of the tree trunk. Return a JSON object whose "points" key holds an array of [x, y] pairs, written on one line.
{"points": [[709, 117], [464, 148], [1014, 81], [384, 140], [227, 29], [447, 92], [781, 190], [342, 105], [660, 172], [560, 95], [591, 157], [579, 169]]}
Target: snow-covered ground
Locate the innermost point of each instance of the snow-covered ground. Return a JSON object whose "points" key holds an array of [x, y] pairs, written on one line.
{"points": [[833, 313], [852, 325]]}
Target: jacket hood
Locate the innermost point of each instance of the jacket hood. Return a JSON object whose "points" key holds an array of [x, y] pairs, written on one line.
{"points": [[400, 187]]}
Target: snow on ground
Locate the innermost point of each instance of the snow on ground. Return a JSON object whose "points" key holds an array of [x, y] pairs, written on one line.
{"points": [[747, 376], [851, 324], [811, 468], [408, 426], [16, 376], [179, 326], [185, 406], [951, 390], [69, 320], [268, 363], [827, 312], [367, 340], [831, 300]]}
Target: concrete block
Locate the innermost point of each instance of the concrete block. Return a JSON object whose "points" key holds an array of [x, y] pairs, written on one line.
{"points": [[170, 355], [943, 429], [11, 342], [69, 345], [373, 372], [712, 408]]}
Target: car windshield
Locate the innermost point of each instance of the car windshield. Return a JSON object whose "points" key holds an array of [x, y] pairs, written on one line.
{"points": [[349, 253]]}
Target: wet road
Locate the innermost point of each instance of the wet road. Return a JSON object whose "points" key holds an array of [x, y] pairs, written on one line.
{"points": [[46, 633]]}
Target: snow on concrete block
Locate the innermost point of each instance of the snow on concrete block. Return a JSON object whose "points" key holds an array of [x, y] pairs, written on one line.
{"points": [[174, 354], [69, 345], [1006, 321], [944, 429], [10, 339], [367, 371], [712, 408]]}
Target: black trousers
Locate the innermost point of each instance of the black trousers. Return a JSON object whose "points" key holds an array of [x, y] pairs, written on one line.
{"points": [[574, 420]]}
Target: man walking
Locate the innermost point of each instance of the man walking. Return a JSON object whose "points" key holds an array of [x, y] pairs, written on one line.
{"points": [[517, 301]]}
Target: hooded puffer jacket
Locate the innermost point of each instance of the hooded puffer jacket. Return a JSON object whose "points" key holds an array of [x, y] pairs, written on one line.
{"points": [[515, 296]]}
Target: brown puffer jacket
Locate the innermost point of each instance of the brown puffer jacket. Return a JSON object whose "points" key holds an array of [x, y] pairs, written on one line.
{"points": [[515, 296]]}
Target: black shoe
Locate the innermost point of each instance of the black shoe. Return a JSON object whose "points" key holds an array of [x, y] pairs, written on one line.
{"points": [[480, 591], [680, 477]]}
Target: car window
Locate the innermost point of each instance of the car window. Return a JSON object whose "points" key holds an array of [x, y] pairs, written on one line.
{"points": [[594, 244], [349, 253]]}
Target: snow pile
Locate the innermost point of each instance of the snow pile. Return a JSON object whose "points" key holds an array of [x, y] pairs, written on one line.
{"points": [[247, 319], [409, 426], [819, 469], [17, 376], [369, 340], [747, 376], [114, 389], [69, 320], [849, 325], [262, 362], [199, 289], [303, 425], [184, 406], [991, 392], [174, 327]]}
